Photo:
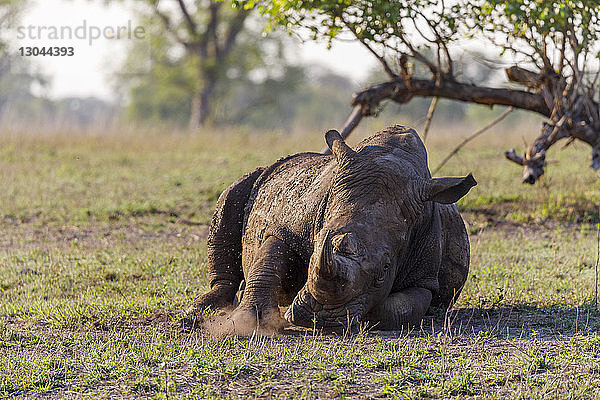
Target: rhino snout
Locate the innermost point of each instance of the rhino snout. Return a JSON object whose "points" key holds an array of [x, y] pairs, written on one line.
{"points": [[303, 309], [306, 311]]}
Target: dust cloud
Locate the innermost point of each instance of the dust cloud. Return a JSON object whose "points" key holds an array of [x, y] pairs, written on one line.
{"points": [[244, 322]]}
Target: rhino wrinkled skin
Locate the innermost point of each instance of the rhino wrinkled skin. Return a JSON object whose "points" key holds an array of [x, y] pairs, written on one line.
{"points": [[363, 236]]}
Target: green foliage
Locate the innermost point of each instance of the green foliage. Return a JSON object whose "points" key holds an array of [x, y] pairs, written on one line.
{"points": [[9, 12], [381, 21], [527, 27], [385, 22], [372, 20], [265, 90], [533, 27], [159, 87], [160, 79], [16, 72]]}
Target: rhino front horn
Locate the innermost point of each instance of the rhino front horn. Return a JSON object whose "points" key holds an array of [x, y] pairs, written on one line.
{"points": [[338, 147], [327, 266]]}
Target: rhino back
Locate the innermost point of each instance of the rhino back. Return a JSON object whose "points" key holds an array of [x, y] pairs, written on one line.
{"points": [[285, 202]]}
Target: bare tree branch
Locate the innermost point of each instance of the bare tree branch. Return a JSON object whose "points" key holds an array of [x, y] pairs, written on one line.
{"points": [[429, 117], [512, 156], [441, 45], [573, 114], [235, 27], [400, 92], [191, 24], [211, 29], [379, 58], [168, 25], [471, 137], [524, 77], [358, 112], [416, 54]]}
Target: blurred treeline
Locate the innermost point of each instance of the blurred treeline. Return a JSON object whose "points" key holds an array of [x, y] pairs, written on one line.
{"points": [[259, 83]]}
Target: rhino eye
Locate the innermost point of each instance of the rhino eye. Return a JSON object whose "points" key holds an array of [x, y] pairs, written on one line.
{"points": [[387, 262], [380, 280]]}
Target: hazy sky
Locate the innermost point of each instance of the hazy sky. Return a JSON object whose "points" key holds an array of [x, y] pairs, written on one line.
{"points": [[87, 72]]}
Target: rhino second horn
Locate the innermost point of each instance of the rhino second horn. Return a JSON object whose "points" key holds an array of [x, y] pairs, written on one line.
{"points": [[327, 268], [338, 147]]}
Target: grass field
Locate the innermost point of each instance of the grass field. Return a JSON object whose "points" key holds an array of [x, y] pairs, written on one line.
{"points": [[102, 248]]}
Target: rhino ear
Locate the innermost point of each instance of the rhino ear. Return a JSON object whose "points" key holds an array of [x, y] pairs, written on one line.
{"points": [[448, 190], [338, 147]]}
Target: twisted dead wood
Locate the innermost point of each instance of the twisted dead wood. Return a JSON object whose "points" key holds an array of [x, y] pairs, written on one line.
{"points": [[571, 112]]}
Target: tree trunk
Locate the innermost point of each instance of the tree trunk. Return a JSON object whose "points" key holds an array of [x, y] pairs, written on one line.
{"points": [[202, 101], [200, 109], [203, 43]]}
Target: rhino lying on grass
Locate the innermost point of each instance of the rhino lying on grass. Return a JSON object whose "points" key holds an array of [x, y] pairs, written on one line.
{"points": [[358, 236]]}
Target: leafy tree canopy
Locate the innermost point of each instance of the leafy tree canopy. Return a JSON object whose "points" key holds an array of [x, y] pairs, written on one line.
{"points": [[535, 29], [555, 45]]}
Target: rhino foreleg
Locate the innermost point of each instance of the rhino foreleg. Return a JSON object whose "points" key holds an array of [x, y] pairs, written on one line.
{"points": [[268, 282], [400, 309]]}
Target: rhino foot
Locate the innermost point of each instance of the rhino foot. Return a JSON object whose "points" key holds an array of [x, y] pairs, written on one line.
{"points": [[248, 320], [245, 322]]}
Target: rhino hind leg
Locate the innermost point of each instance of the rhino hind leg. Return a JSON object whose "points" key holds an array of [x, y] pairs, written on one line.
{"points": [[454, 266], [224, 245]]}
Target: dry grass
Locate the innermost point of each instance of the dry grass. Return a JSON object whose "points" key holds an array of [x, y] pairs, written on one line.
{"points": [[102, 248]]}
